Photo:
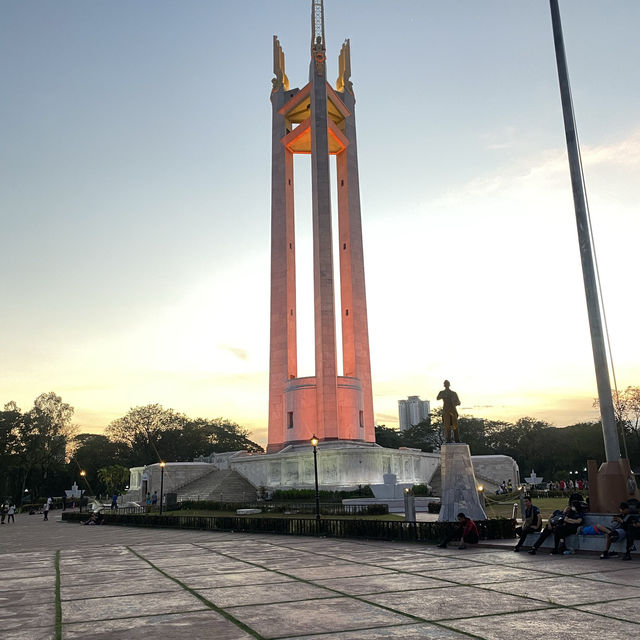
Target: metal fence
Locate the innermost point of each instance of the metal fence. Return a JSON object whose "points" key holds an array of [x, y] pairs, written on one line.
{"points": [[326, 508], [371, 529]]}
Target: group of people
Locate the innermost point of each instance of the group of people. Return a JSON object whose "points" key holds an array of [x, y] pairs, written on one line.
{"points": [[7, 512], [624, 526], [505, 487], [151, 500], [569, 485]]}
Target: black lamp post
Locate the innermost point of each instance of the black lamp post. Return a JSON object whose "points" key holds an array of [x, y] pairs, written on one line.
{"points": [[314, 444], [162, 466], [83, 473]]}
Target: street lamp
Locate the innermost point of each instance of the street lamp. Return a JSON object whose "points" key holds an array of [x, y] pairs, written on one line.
{"points": [[314, 444], [162, 466], [83, 475]]}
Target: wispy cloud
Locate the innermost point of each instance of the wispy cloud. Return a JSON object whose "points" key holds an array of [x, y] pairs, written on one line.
{"points": [[238, 352]]}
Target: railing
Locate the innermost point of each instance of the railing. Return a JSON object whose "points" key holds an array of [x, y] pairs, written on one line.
{"points": [[326, 508], [370, 529]]}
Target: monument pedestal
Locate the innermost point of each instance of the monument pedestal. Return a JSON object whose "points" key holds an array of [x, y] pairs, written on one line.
{"points": [[459, 486], [609, 485]]}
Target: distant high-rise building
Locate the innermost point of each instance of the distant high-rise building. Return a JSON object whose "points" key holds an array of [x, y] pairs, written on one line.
{"points": [[412, 411]]}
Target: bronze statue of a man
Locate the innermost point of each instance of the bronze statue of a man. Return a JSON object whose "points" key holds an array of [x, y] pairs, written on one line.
{"points": [[450, 401]]}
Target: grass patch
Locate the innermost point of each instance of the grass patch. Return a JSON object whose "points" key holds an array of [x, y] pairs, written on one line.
{"points": [[546, 505]]}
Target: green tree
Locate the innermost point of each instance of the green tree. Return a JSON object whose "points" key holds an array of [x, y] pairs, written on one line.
{"points": [[226, 435], [152, 433], [43, 435], [114, 478], [388, 437], [92, 451], [10, 426], [141, 429], [427, 435]]}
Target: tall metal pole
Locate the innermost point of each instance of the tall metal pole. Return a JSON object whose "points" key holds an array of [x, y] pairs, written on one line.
{"points": [[611, 443], [314, 443]]}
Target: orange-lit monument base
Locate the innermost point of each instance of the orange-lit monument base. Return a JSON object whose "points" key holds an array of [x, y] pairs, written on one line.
{"points": [[608, 485]]}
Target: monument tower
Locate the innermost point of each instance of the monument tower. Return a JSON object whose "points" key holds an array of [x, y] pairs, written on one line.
{"points": [[317, 120]]}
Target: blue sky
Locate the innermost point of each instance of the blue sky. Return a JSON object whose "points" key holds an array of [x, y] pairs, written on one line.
{"points": [[134, 200]]}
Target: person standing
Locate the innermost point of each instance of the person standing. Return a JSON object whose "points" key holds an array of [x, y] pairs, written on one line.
{"points": [[10, 513], [114, 501], [45, 509], [154, 498], [531, 523]]}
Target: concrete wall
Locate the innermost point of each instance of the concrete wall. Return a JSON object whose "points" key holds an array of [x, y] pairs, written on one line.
{"points": [[338, 466], [495, 469], [176, 474]]}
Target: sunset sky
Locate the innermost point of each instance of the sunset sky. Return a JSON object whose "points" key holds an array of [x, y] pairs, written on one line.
{"points": [[135, 146]]}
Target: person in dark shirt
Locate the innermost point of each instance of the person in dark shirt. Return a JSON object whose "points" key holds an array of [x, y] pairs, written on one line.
{"points": [[531, 522], [631, 525], [465, 530], [614, 533], [561, 526]]}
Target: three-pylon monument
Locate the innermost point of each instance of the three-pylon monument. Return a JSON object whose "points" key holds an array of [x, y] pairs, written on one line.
{"points": [[317, 120]]}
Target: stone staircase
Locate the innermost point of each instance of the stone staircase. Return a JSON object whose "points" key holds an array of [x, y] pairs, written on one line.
{"points": [[436, 482], [220, 485]]}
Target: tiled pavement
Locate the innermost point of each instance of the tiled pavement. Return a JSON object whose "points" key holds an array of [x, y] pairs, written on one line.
{"points": [[65, 581]]}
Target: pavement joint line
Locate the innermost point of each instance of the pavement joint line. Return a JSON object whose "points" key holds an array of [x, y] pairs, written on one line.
{"points": [[116, 595], [204, 600], [443, 625], [348, 595], [504, 613], [415, 572], [58, 622], [551, 605], [133, 617], [476, 561], [388, 626]]}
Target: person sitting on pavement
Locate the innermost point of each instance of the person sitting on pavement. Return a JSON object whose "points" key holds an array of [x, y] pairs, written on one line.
{"points": [[465, 530], [561, 524], [532, 522]]}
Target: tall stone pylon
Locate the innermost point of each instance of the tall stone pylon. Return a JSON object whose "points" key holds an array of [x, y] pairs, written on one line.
{"points": [[318, 120]]}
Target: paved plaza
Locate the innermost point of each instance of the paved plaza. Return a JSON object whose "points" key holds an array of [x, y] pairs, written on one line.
{"points": [[129, 583]]}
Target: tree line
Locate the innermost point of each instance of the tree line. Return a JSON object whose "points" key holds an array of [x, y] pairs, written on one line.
{"points": [[554, 453], [42, 452]]}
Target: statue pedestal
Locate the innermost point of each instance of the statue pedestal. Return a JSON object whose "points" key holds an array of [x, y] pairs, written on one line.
{"points": [[459, 486], [608, 485]]}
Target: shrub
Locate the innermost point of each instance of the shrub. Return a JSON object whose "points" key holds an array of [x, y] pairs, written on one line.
{"points": [[377, 509], [421, 490]]}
